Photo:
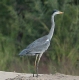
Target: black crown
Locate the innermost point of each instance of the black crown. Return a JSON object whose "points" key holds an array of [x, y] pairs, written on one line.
{"points": [[55, 10]]}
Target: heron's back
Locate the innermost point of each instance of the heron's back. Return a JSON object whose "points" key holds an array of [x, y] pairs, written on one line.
{"points": [[38, 46]]}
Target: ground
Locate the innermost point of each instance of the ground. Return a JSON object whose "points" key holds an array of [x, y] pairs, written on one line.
{"points": [[23, 76]]}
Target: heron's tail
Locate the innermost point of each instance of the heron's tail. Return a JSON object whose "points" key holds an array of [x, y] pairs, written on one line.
{"points": [[24, 52]]}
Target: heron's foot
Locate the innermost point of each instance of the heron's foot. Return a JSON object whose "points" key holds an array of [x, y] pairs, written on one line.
{"points": [[37, 75], [33, 74]]}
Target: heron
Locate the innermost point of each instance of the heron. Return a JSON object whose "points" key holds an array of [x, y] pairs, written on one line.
{"points": [[39, 46]]}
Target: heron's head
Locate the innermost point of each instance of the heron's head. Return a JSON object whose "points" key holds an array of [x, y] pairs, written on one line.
{"points": [[57, 12]]}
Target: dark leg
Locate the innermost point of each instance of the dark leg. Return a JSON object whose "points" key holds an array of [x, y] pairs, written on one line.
{"points": [[33, 74], [38, 64], [37, 70], [36, 59], [35, 64]]}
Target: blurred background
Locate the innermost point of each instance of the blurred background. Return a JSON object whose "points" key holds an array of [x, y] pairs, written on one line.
{"points": [[23, 21]]}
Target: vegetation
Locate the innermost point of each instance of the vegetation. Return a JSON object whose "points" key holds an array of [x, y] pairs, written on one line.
{"points": [[23, 21]]}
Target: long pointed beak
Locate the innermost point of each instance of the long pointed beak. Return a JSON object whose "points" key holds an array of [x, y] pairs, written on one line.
{"points": [[61, 12]]}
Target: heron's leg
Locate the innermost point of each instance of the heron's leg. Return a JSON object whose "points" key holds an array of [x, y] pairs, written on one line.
{"points": [[35, 62], [36, 59], [39, 58], [38, 63]]}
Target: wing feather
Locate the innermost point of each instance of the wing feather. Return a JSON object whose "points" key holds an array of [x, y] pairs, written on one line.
{"points": [[38, 46], [37, 42]]}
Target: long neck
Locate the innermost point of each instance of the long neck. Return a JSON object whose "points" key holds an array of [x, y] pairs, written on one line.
{"points": [[52, 28]]}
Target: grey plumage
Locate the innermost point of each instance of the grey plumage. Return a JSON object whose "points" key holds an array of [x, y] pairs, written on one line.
{"points": [[39, 46]]}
